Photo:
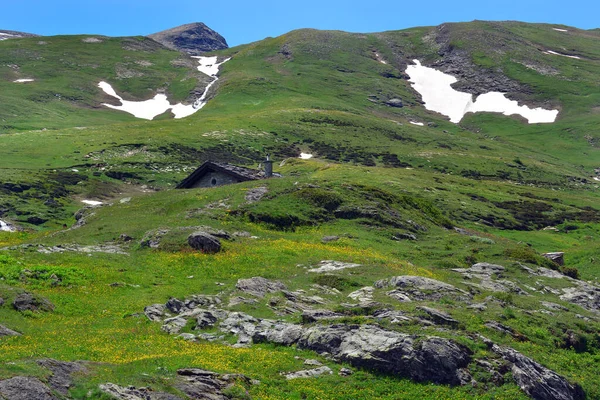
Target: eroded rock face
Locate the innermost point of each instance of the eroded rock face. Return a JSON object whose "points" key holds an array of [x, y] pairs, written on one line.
{"points": [[193, 39], [259, 286], [421, 288], [428, 359], [25, 388], [584, 295], [536, 380]]}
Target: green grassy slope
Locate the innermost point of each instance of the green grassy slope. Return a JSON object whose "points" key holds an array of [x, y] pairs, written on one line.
{"points": [[376, 176]]}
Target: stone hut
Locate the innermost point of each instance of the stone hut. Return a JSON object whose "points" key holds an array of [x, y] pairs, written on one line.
{"points": [[211, 174]]}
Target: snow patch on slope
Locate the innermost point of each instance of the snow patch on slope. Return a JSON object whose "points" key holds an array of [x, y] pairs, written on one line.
{"points": [[149, 109], [438, 95], [4, 227], [560, 54], [560, 30], [24, 80]]}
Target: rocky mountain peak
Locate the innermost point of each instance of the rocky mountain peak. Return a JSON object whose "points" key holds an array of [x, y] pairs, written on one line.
{"points": [[14, 34], [193, 39]]}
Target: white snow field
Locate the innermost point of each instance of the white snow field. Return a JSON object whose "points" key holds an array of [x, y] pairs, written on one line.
{"points": [[149, 109], [305, 156], [25, 80], [560, 30], [560, 54], [4, 227], [417, 123], [438, 95], [4, 36], [92, 202]]}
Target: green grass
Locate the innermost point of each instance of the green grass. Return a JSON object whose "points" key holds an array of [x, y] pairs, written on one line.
{"points": [[375, 176]]}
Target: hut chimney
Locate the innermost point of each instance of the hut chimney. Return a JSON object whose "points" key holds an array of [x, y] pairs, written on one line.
{"points": [[268, 167]]}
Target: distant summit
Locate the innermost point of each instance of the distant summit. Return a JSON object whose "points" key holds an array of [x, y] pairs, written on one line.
{"points": [[14, 34], [193, 39]]}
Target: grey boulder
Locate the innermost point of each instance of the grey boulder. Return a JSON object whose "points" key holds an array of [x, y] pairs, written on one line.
{"points": [[204, 242], [25, 388]]}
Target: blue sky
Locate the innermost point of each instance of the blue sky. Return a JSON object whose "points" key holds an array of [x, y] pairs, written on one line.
{"points": [[247, 21]]}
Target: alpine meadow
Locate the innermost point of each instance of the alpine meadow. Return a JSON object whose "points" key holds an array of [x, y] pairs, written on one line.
{"points": [[431, 228]]}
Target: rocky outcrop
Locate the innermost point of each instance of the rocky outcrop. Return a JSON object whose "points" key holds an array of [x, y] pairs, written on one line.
{"points": [[536, 380], [4, 331], [132, 393], [421, 288], [61, 379], [29, 302], [193, 39], [309, 373], [204, 242], [259, 286], [25, 388], [423, 359], [584, 295]]}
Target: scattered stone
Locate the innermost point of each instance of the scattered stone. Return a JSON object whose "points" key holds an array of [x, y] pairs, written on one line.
{"points": [[175, 305], [125, 238], [549, 273], [206, 385], [28, 302], [277, 332], [174, 325], [363, 295], [187, 337], [237, 300], [345, 372], [438, 316], [421, 288], [394, 103], [394, 316], [309, 316], [506, 330], [25, 388], [259, 286], [255, 194], [309, 373], [61, 379], [553, 306], [327, 239], [557, 257], [330, 265], [313, 362], [399, 295], [4, 331], [584, 295], [404, 236], [152, 238], [536, 380], [206, 319], [204, 242], [477, 306], [133, 393]]}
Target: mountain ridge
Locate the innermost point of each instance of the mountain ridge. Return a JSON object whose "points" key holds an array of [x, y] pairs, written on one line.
{"points": [[193, 38]]}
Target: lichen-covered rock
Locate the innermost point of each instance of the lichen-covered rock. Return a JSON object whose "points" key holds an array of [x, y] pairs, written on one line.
{"points": [[25, 388], [155, 312], [430, 359], [259, 286], [133, 393], [584, 295], [4, 331], [61, 379], [536, 380], [421, 288], [309, 373]]}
